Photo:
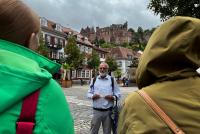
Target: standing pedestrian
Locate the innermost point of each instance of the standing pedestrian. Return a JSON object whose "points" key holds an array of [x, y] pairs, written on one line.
{"points": [[102, 94], [31, 101], [124, 81], [81, 81], [167, 75]]}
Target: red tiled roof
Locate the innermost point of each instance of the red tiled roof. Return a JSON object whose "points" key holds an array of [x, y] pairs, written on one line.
{"points": [[101, 49], [66, 30], [121, 52], [50, 24], [81, 39]]}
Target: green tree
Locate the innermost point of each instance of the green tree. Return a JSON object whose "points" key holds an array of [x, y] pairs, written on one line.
{"points": [[138, 37], [125, 44], [118, 73], [135, 47], [42, 48], [135, 39], [135, 62], [140, 33], [74, 57], [170, 8], [112, 64], [96, 42], [66, 68], [131, 30], [107, 45], [101, 41], [94, 61], [142, 46]]}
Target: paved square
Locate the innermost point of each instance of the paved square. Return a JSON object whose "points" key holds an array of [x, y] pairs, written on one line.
{"points": [[81, 107]]}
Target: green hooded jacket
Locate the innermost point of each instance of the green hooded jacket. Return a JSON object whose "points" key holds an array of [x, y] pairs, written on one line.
{"points": [[23, 71], [167, 72]]}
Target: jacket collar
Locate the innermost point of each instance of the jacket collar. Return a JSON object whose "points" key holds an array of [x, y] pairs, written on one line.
{"points": [[106, 78], [42, 61]]}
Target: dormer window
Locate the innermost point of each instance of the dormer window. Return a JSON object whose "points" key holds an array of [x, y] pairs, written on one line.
{"points": [[82, 38], [56, 41], [61, 42], [119, 63], [48, 38], [58, 27], [129, 57], [43, 21]]}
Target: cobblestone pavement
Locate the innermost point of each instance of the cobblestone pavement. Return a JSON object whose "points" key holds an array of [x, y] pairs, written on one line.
{"points": [[81, 107]]}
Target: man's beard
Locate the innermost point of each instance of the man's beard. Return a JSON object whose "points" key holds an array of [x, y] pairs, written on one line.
{"points": [[103, 74]]}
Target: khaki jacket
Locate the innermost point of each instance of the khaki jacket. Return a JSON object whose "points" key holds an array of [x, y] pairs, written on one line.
{"points": [[167, 72]]}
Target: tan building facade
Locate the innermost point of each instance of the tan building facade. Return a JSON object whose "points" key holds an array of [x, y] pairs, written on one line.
{"points": [[55, 38]]}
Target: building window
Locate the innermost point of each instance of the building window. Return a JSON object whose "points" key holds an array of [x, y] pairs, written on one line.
{"points": [[83, 74], [56, 41], [85, 61], [48, 38], [102, 55], [86, 49], [60, 55], [58, 27], [43, 21], [119, 63], [129, 57], [87, 74], [50, 54], [73, 74], [54, 55], [79, 74], [61, 43], [90, 50], [82, 48]]}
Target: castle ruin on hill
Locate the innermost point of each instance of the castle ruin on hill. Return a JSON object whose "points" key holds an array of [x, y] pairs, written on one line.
{"points": [[115, 33]]}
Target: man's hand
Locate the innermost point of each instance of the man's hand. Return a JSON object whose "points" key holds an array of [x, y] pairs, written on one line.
{"points": [[95, 97], [109, 97]]}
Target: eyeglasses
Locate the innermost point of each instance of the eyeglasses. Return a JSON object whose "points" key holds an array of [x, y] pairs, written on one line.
{"points": [[102, 68]]}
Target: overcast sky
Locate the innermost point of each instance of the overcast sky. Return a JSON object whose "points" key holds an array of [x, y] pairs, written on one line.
{"points": [[76, 14]]}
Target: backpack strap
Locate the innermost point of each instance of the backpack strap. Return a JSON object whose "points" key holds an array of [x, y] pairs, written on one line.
{"points": [[168, 121], [26, 121], [94, 79], [112, 84]]}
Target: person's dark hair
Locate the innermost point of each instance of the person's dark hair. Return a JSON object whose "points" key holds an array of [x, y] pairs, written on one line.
{"points": [[17, 22]]}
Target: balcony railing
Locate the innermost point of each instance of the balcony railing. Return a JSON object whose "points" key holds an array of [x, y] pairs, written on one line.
{"points": [[53, 46]]}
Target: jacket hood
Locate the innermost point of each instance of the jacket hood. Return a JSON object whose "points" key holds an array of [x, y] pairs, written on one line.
{"points": [[173, 52], [22, 72]]}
